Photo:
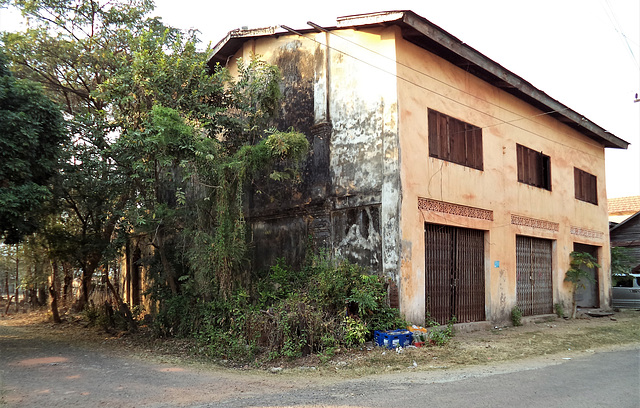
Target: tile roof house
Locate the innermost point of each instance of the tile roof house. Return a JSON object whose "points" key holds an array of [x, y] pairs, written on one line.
{"points": [[622, 208], [431, 164], [624, 214]]}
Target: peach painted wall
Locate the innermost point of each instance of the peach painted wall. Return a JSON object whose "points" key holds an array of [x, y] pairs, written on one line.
{"points": [[431, 82]]}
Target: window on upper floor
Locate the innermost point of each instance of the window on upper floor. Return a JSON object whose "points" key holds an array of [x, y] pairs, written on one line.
{"points": [[534, 168], [586, 186], [455, 141]]}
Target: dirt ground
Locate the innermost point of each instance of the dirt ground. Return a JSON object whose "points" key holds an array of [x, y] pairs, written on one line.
{"points": [[44, 364]]}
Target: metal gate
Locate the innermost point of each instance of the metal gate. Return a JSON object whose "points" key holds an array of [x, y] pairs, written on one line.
{"points": [[454, 273], [534, 287]]}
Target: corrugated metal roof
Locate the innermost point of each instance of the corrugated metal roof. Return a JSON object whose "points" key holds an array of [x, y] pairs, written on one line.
{"points": [[429, 36]]}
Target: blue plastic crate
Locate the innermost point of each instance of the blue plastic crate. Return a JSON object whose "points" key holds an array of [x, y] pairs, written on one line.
{"points": [[393, 338]]}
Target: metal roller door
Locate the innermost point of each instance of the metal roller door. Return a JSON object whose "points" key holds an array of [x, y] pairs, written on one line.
{"points": [[534, 288], [454, 273]]}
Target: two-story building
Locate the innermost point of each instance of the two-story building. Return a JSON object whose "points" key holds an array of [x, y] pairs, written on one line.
{"points": [[432, 165]]}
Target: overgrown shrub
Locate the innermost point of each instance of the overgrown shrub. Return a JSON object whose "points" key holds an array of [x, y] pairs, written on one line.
{"points": [[559, 308], [439, 335], [516, 316], [286, 313], [178, 316], [105, 316]]}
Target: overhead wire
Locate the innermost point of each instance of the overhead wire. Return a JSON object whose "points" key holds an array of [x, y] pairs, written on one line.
{"points": [[501, 121], [520, 117], [618, 28], [455, 100]]}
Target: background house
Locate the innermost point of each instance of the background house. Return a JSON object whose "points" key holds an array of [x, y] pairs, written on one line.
{"points": [[431, 164], [624, 219], [622, 208]]}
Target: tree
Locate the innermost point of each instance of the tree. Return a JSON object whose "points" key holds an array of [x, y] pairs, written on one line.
{"points": [[71, 48], [158, 143], [32, 134], [580, 264], [621, 262]]}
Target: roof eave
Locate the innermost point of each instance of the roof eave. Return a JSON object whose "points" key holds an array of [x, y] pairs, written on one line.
{"points": [[625, 221], [510, 82], [422, 32]]}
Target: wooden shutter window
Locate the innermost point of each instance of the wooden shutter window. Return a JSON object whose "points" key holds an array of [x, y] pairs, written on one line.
{"points": [[455, 141], [586, 186], [534, 168]]}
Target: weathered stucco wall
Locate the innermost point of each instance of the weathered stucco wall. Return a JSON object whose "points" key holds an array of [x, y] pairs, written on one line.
{"points": [[364, 144], [363, 104], [349, 114], [518, 209]]}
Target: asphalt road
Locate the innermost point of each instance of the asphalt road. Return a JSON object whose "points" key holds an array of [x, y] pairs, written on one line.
{"points": [[37, 373], [608, 379]]}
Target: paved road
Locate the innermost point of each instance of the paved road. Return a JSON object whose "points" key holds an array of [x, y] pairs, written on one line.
{"points": [[48, 374], [608, 379], [36, 373]]}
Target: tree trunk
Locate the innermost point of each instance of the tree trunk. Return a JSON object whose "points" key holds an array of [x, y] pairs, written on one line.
{"points": [[33, 297], [42, 295], [85, 283], [85, 286], [166, 265], [6, 284], [17, 279], [6, 311], [68, 281], [53, 291], [124, 309]]}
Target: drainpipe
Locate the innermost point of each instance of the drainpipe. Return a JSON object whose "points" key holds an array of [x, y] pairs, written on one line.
{"points": [[327, 68]]}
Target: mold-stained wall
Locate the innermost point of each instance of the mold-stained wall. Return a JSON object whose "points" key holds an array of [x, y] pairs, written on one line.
{"points": [[462, 193], [362, 98], [350, 184]]}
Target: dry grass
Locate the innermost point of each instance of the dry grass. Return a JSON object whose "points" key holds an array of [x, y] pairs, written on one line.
{"points": [[553, 338]]}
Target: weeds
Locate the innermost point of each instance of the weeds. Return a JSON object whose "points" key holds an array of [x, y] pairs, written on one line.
{"points": [[559, 309], [439, 335], [516, 316], [286, 313]]}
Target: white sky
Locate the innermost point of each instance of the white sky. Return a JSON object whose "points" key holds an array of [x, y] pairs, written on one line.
{"points": [[573, 50]]}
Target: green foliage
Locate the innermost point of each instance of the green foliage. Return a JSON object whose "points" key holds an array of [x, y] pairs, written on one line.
{"points": [[559, 309], [91, 314], [621, 262], [355, 331], [32, 134], [578, 273], [516, 316], [288, 313], [160, 145], [74, 49], [178, 316], [440, 335]]}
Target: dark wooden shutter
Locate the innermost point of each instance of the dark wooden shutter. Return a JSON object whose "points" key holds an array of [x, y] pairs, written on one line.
{"points": [[453, 140], [586, 186], [534, 168], [434, 141]]}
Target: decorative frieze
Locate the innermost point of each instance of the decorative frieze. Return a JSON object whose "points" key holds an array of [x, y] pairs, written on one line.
{"points": [[534, 223], [455, 209], [587, 233]]}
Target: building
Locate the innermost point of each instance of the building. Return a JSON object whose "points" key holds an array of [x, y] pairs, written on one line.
{"points": [[622, 208], [626, 231], [431, 164]]}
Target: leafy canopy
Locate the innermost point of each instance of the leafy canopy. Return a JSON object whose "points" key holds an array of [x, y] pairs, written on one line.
{"points": [[32, 134]]}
